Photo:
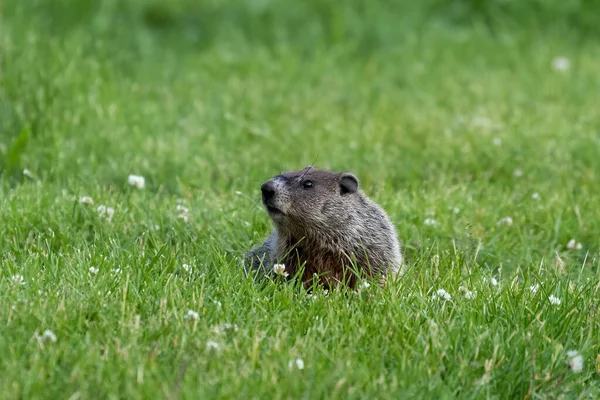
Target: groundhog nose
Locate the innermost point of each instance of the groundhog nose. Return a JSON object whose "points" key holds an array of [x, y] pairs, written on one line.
{"points": [[268, 191]]}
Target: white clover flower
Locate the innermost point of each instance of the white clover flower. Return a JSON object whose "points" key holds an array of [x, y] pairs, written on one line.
{"points": [[183, 213], [574, 245], [430, 222], [442, 294], [18, 279], [28, 173], [86, 200], [554, 300], [192, 315], [508, 221], [226, 327], [534, 288], [48, 336], [212, 346], [297, 363], [93, 270], [494, 282], [106, 212], [561, 64], [575, 361], [184, 217], [187, 268], [469, 295], [279, 269], [536, 196], [182, 209], [365, 284], [137, 181]]}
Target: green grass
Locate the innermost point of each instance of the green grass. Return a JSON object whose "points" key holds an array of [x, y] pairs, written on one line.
{"points": [[434, 106]]}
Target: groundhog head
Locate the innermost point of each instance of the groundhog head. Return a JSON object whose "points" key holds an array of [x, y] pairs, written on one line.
{"points": [[310, 198]]}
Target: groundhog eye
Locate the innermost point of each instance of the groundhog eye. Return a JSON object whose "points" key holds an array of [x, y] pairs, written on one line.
{"points": [[307, 184]]}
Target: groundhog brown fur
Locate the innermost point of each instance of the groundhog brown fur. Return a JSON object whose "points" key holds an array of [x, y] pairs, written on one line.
{"points": [[325, 224]]}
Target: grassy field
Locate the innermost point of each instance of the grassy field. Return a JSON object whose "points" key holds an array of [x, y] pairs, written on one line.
{"points": [[475, 124]]}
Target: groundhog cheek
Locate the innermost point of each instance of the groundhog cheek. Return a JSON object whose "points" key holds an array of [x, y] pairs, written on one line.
{"points": [[326, 208]]}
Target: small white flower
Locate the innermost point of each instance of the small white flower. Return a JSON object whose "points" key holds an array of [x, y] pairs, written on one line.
{"points": [[184, 217], [297, 363], [575, 361], [497, 141], [86, 200], [227, 327], [279, 269], [18, 279], [430, 222], [187, 268], [574, 245], [554, 300], [48, 336], [212, 346], [534, 288], [192, 315], [494, 282], [365, 284], [218, 303], [442, 294], [181, 209], [93, 270], [505, 221], [28, 173], [106, 212], [183, 213], [517, 173], [561, 64], [137, 181], [536, 196], [469, 295]]}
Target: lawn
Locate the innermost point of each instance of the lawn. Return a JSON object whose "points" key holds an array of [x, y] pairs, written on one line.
{"points": [[474, 124]]}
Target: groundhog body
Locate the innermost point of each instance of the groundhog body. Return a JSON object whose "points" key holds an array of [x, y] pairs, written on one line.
{"points": [[325, 224]]}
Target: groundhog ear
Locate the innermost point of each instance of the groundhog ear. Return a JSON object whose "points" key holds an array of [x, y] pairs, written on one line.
{"points": [[348, 184]]}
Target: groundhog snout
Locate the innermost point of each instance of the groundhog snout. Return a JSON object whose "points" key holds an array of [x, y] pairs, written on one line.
{"points": [[268, 192]]}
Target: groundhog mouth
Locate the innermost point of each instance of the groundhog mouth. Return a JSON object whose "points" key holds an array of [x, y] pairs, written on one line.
{"points": [[273, 210]]}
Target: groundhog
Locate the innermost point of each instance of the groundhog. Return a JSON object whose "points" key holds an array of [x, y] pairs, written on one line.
{"points": [[326, 225]]}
